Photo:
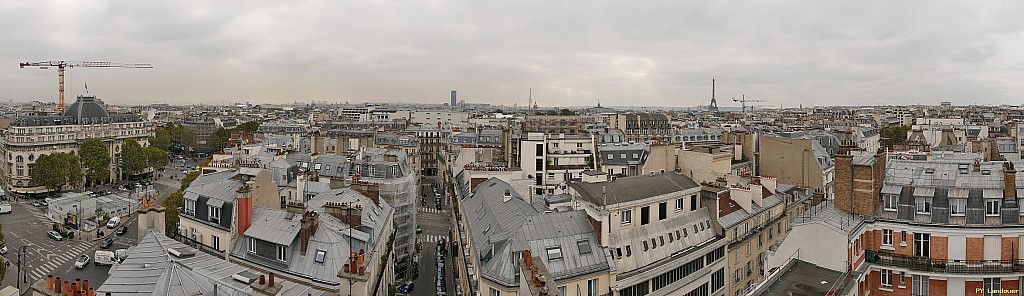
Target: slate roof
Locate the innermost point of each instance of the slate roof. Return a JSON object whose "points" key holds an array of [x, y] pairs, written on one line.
{"points": [[640, 235], [219, 187], [150, 270], [332, 236], [331, 165], [633, 188], [500, 229]]}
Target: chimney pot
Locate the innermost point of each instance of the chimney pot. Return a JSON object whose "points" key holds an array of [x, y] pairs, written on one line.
{"points": [[263, 280], [57, 284], [49, 282], [92, 291], [85, 285], [271, 283]]}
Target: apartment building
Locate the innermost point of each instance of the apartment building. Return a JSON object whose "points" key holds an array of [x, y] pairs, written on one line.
{"points": [[509, 238], [27, 138], [644, 127], [921, 227], [213, 203], [554, 124], [404, 142], [554, 159], [660, 235], [433, 141], [336, 245]]}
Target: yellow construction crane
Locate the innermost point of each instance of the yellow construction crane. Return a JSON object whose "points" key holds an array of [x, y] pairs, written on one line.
{"points": [[60, 65]]}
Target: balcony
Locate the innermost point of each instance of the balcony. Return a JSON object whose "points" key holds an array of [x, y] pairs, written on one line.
{"points": [[945, 266], [568, 167]]}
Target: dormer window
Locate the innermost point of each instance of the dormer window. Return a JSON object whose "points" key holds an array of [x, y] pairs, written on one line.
{"points": [[554, 253], [214, 214], [282, 253], [321, 255]]}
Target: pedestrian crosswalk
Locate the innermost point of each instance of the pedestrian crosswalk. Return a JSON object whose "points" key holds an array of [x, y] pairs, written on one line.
{"points": [[39, 213], [431, 238], [169, 183], [431, 210], [38, 272]]}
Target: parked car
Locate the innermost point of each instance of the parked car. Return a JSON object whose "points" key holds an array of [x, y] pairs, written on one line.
{"points": [[406, 288], [3, 250], [106, 243], [55, 235], [81, 262], [122, 230]]}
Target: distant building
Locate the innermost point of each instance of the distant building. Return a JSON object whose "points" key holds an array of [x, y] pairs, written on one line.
{"points": [[453, 99], [27, 138]]}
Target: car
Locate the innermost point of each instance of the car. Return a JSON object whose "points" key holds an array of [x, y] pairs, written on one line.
{"points": [[113, 222], [121, 254], [122, 230], [3, 250], [81, 262], [419, 230], [36, 204], [440, 267], [406, 288], [44, 203], [106, 243], [5, 208], [55, 235]]}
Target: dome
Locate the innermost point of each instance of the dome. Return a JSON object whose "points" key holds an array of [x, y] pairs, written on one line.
{"points": [[87, 110]]}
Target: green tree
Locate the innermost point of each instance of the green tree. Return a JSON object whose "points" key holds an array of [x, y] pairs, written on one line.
{"points": [[133, 158], [248, 126], [220, 138], [895, 135], [156, 157], [161, 139], [48, 172], [172, 203], [96, 160], [57, 170], [173, 136]]}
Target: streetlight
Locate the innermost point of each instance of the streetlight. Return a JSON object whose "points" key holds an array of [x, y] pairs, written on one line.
{"points": [[21, 254]]}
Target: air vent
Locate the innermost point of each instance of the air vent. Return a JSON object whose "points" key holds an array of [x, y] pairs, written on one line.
{"points": [[180, 252]]}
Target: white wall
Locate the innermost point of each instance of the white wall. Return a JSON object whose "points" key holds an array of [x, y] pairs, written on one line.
{"points": [[816, 243]]}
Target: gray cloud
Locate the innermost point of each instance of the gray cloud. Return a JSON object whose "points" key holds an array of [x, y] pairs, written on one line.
{"points": [[570, 52]]}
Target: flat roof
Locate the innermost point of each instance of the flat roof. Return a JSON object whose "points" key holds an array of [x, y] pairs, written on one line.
{"points": [[803, 278]]}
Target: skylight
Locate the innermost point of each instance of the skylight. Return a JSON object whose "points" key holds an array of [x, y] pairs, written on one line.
{"points": [[584, 246], [555, 253], [320, 256]]}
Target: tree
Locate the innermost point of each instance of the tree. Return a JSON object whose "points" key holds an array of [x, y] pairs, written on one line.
{"points": [[133, 158], [57, 170], [47, 172], [248, 126], [156, 157], [220, 138], [566, 112], [173, 136], [161, 139], [95, 159], [896, 135], [172, 203]]}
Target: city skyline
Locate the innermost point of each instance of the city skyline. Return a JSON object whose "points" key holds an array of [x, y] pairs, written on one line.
{"points": [[570, 54]]}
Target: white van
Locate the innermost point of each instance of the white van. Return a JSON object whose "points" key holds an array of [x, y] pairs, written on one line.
{"points": [[5, 208], [104, 258], [113, 222]]}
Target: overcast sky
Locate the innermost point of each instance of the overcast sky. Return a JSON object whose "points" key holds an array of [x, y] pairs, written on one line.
{"points": [[638, 53]]}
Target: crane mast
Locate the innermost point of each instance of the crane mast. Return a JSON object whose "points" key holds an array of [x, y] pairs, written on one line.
{"points": [[62, 65]]}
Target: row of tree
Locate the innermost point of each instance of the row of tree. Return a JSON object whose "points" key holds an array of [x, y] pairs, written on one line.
{"points": [[173, 137], [62, 170]]}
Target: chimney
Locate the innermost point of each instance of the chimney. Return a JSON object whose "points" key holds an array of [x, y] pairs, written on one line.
{"points": [[742, 197], [244, 217], [355, 178], [309, 223], [844, 182], [1009, 182], [265, 287], [770, 183], [977, 166], [347, 213], [508, 195]]}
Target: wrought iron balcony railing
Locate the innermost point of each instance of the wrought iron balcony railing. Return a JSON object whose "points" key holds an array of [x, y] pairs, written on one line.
{"points": [[943, 265]]}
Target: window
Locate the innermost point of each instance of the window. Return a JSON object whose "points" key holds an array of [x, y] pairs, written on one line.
{"points": [[679, 204], [215, 242], [584, 246], [214, 214], [924, 205], [887, 237], [748, 248], [920, 285], [991, 285], [922, 244], [554, 253], [717, 280], [252, 245], [957, 206], [561, 290], [645, 245], [495, 292], [281, 253], [611, 156], [320, 256], [645, 215], [886, 278], [736, 277], [626, 216], [889, 202], [592, 289], [662, 211], [992, 207], [693, 202], [190, 207], [629, 251]]}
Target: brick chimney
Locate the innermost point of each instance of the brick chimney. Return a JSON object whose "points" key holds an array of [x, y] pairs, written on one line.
{"points": [[347, 213], [263, 287], [243, 207], [843, 178], [308, 226]]}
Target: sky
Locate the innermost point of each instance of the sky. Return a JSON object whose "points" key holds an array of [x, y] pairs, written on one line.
{"points": [[570, 53]]}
